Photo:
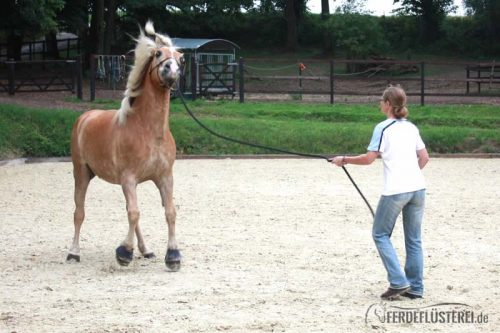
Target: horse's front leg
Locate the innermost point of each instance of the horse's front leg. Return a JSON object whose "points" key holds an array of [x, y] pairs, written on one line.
{"points": [[142, 245], [173, 256], [125, 252]]}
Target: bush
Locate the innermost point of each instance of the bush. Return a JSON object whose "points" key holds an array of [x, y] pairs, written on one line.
{"points": [[356, 36], [456, 30]]}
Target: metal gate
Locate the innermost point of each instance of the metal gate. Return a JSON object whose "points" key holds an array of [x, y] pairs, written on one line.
{"points": [[41, 75], [216, 74]]}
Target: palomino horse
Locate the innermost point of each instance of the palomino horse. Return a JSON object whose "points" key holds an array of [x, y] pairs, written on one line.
{"points": [[132, 145]]}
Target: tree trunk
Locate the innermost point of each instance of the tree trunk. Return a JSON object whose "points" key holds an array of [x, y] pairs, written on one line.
{"points": [[291, 24], [109, 33], [325, 9], [96, 35], [51, 41], [327, 40], [14, 45]]}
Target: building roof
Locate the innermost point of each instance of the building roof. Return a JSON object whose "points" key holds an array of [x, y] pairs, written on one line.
{"points": [[200, 44]]}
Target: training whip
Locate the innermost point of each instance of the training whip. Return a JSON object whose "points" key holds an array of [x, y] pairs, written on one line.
{"points": [[256, 145]]}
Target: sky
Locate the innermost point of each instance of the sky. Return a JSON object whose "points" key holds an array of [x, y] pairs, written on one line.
{"points": [[377, 7]]}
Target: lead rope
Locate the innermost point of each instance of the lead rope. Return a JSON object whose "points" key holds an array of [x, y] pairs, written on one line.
{"points": [[256, 145]]}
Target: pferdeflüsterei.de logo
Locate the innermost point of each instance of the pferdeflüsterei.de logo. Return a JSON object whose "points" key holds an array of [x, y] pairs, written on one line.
{"points": [[440, 313]]}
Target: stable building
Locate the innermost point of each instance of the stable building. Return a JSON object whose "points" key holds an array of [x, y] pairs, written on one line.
{"points": [[210, 67]]}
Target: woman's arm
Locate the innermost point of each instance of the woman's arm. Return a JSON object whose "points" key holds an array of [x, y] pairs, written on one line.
{"points": [[423, 157], [363, 159]]}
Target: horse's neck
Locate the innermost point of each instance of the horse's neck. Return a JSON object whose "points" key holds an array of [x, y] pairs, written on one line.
{"points": [[152, 107]]}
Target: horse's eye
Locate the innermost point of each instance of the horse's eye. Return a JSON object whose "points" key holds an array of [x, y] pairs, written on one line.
{"points": [[158, 53], [182, 60]]}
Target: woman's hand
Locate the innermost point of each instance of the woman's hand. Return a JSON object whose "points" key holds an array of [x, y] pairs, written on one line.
{"points": [[338, 161]]}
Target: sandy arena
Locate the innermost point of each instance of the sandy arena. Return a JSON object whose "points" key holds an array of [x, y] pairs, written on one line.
{"points": [[268, 245]]}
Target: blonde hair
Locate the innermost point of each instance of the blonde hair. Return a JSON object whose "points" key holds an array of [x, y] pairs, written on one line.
{"points": [[147, 42], [396, 97]]}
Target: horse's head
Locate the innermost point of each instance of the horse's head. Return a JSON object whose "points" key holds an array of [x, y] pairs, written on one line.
{"points": [[166, 64], [155, 60], [156, 57]]}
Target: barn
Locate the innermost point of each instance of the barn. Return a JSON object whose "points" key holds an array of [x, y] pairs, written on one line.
{"points": [[210, 66]]}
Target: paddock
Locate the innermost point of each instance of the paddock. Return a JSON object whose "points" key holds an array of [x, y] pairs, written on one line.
{"points": [[269, 245]]}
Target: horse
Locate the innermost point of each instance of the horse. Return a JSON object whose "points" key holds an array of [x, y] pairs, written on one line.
{"points": [[132, 145]]}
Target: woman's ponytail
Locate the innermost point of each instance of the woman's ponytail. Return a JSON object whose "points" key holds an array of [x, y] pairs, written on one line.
{"points": [[397, 99], [400, 111]]}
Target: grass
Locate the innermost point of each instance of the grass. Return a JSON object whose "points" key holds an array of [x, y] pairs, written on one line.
{"points": [[309, 128], [34, 132]]}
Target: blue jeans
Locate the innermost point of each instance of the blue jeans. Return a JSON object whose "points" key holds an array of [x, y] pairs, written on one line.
{"points": [[389, 207]]}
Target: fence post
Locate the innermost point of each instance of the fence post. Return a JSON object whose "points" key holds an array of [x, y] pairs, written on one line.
{"points": [[422, 83], [241, 67], [194, 75], [332, 71], [479, 76], [233, 68], [300, 80], [467, 71], [92, 77], [12, 76], [79, 90], [199, 70], [74, 76]]}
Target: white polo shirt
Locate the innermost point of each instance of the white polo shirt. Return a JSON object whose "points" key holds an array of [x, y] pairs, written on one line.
{"points": [[398, 140]]}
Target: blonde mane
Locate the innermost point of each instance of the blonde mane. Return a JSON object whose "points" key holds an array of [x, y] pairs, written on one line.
{"points": [[143, 53]]}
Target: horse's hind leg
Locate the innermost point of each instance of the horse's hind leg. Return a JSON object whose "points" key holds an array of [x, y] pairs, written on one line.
{"points": [[125, 252], [83, 175], [173, 256], [141, 245]]}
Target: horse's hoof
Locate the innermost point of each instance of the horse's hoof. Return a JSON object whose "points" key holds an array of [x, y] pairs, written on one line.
{"points": [[173, 260], [149, 255], [74, 257], [124, 256]]}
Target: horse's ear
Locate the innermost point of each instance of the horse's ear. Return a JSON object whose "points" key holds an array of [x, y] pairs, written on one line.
{"points": [[149, 28], [160, 40]]}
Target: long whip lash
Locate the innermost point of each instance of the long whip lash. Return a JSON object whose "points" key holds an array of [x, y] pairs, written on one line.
{"points": [[256, 145]]}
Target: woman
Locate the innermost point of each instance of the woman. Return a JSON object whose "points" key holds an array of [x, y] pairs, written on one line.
{"points": [[403, 153]]}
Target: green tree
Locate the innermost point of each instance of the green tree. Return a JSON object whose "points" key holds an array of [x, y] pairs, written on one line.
{"points": [[22, 19], [353, 6], [430, 13], [356, 36], [486, 14]]}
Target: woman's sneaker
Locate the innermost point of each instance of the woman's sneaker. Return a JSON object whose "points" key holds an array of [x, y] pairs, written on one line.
{"points": [[392, 293], [410, 295]]}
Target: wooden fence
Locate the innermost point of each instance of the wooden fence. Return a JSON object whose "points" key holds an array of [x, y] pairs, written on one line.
{"points": [[47, 75], [367, 78], [334, 80]]}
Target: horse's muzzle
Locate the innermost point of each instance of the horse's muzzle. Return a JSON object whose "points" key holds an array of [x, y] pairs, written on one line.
{"points": [[170, 71]]}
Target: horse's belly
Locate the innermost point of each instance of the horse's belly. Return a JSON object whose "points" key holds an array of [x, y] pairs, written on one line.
{"points": [[106, 171], [141, 165]]}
